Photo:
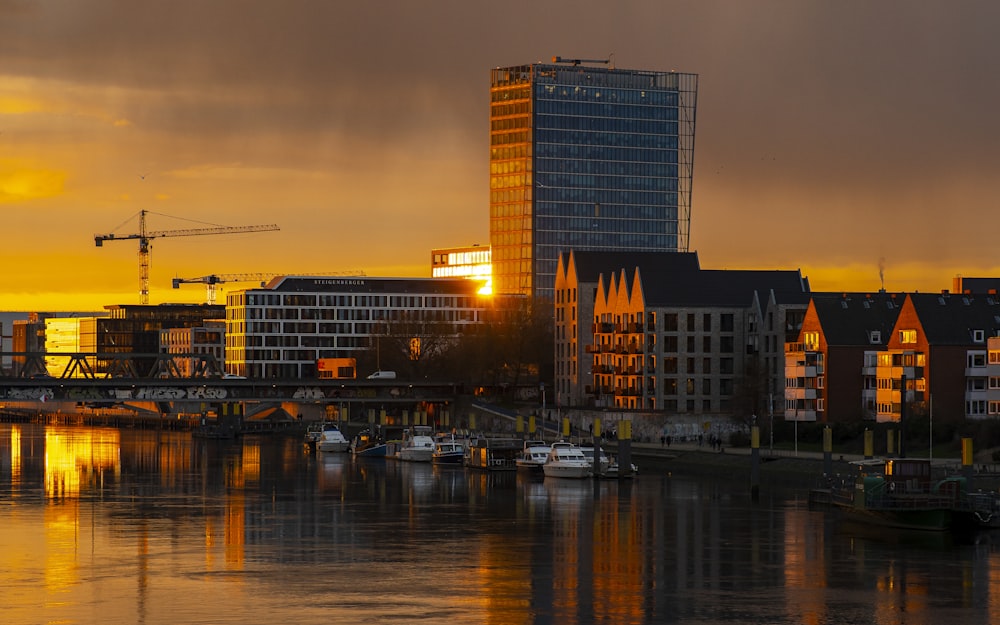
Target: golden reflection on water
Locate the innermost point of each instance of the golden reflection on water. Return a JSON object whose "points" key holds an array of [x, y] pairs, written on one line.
{"points": [[594, 551], [75, 456], [804, 570]]}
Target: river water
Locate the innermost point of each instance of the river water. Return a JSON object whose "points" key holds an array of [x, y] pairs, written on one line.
{"points": [[121, 526]]}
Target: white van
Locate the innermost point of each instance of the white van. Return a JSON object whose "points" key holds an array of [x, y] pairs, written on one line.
{"points": [[383, 375]]}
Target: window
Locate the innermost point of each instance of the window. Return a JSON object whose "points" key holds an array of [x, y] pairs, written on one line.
{"points": [[875, 338], [726, 344], [810, 341], [670, 344], [726, 386], [976, 360], [670, 364], [690, 322], [690, 365], [706, 386], [690, 344], [978, 336], [706, 344], [689, 386], [725, 365], [670, 386], [726, 322], [706, 322], [907, 336], [670, 322], [706, 365]]}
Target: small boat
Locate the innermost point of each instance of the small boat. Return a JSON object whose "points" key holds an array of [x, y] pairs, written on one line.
{"points": [[532, 457], [368, 444], [614, 471], [332, 439], [566, 460], [313, 433], [448, 451], [418, 444]]}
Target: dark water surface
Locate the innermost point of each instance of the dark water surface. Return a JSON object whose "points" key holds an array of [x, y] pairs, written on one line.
{"points": [[109, 526]]}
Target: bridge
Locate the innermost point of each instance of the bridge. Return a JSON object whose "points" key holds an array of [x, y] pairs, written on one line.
{"points": [[101, 380]]}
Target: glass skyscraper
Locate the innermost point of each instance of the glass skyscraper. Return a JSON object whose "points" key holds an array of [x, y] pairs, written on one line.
{"points": [[588, 158]]}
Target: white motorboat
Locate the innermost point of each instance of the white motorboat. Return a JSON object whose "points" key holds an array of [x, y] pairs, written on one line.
{"points": [[332, 439], [566, 460], [418, 444], [605, 462], [532, 457]]}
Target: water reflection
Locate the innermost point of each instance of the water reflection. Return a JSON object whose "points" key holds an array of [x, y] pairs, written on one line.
{"points": [[139, 526]]}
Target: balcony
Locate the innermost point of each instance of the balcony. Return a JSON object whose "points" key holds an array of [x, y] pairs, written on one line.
{"points": [[800, 393], [800, 371]]}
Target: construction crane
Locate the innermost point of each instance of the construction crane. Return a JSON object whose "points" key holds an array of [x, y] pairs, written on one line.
{"points": [[211, 281], [144, 236]]}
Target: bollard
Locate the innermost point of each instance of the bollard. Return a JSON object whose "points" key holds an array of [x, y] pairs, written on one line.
{"points": [[755, 463], [967, 458], [827, 451]]}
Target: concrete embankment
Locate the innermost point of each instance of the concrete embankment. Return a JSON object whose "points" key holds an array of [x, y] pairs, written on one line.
{"points": [[783, 471]]}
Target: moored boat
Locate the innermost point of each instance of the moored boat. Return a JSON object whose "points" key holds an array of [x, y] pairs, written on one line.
{"points": [[331, 439], [603, 464], [567, 461], [900, 493], [417, 445], [312, 435], [492, 454], [368, 444], [448, 451], [532, 457]]}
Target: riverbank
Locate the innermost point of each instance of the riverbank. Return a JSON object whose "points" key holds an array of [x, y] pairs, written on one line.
{"points": [[784, 469]]}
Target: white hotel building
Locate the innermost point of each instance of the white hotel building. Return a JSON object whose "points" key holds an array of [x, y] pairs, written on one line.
{"points": [[284, 328]]}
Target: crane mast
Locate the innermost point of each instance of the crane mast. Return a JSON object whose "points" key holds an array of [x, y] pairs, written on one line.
{"points": [[144, 236]]}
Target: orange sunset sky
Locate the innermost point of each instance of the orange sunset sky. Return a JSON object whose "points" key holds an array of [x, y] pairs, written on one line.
{"points": [[849, 139]]}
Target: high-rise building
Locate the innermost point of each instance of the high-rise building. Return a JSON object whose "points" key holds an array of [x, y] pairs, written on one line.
{"points": [[586, 157]]}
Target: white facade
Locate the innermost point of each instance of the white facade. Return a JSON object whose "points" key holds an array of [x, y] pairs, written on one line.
{"points": [[282, 330]]}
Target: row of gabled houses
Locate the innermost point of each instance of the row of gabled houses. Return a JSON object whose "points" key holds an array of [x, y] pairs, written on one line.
{"points": [[885, 355], [656, 332]]}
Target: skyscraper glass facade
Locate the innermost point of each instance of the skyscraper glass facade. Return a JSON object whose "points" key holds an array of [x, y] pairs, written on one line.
{"points": [[586, 158]]}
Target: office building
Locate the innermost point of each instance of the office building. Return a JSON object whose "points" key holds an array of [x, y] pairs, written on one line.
{"points": [[286, 328], [586, 157]]}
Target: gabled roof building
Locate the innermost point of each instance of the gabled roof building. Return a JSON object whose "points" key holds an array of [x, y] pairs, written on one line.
{"points": [[830, 366], [936, 358], [664, 334]]}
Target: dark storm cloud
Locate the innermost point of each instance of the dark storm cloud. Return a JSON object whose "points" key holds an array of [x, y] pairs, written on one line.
{"points": [[849, 118], [840, 83]]}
